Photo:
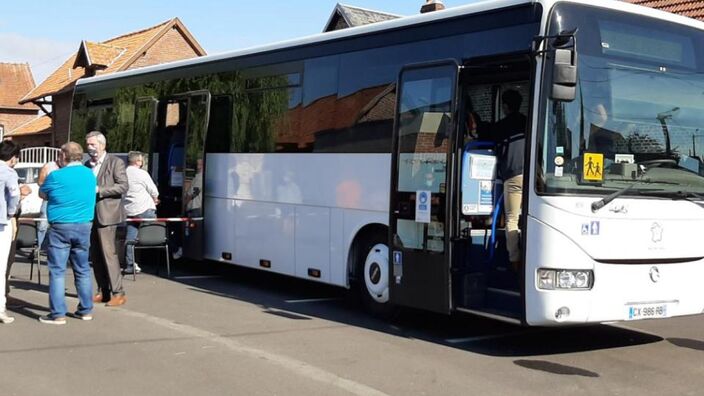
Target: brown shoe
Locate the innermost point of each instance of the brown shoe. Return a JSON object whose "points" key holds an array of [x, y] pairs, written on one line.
{"points": [[98, 298], [116, 300]]}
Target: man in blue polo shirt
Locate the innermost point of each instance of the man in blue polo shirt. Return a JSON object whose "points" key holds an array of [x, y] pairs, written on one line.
{"points": [[70, 192]]}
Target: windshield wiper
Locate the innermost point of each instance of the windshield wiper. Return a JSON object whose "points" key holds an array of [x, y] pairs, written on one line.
{"points": [[690, 196], [596, 205]]}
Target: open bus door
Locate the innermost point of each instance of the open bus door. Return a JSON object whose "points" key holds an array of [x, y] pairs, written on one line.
{"points": [[421, 181], [177, 165]]}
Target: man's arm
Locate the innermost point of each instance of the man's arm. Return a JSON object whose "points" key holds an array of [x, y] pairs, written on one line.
{"points": [[43, 173], [119, 175], [46, 187], [13, 192], [150, 186]]}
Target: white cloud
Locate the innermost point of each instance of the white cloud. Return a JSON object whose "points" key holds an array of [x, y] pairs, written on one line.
{"points": [[44, 55]]}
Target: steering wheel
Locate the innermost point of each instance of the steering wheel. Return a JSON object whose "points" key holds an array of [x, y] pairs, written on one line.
{"points": [[659, 162]]}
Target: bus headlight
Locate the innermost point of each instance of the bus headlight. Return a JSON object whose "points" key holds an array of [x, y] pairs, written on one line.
{"points": [[551, 279]]}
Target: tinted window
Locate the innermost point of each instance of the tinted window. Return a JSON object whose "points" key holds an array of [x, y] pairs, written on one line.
{"points": [[320, 79], [219, 139], [144, 120], [267, 118]]}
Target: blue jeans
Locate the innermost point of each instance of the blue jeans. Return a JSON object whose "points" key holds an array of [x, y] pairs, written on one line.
{"points": [[69, 241], [131, 235], [42, 226]]}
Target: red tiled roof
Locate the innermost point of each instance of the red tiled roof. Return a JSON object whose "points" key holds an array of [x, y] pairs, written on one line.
{"points": [[101, 55], [115, 54], [15, 81], [688, 8], [41, 124]]}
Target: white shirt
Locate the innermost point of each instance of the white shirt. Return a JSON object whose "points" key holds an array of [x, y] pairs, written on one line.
{"points": [[96, 165], [195, 191], [51, 166], [141, 191]]}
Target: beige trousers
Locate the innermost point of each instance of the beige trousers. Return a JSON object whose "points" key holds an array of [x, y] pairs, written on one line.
{"points": [[513, 197]]}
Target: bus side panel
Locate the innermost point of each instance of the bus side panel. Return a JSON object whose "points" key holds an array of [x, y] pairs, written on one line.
{"points": [[220, 229], [309, 205], [338, 249], [265, 231], [313, 241]]}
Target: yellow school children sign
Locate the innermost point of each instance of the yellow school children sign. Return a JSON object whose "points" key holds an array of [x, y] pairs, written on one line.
{"points": [[593, 167]]}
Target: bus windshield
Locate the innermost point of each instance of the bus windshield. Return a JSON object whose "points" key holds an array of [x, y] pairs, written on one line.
{"points": [[638, 117]]}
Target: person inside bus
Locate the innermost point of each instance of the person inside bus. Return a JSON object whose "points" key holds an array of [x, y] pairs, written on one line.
{"points": [[601, 139], [509, 136], [194, 192]]}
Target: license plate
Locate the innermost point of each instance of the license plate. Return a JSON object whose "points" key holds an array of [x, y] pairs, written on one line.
{"points": [[646, 311]]}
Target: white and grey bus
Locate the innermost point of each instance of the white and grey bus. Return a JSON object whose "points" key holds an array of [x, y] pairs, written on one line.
{"points": [[349, 158]]}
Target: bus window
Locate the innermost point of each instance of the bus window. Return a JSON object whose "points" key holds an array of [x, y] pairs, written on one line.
{"points": [[144, 120], [219, 139], [193, 152]]}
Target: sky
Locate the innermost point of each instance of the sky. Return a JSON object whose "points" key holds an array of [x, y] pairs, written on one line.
{"points": [[45, 33]]}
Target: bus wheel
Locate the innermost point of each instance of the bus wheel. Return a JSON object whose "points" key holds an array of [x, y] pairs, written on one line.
{"points": [[374, 268]]}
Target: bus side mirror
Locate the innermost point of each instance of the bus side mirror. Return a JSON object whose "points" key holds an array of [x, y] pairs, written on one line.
{"points": [[564, 75]]}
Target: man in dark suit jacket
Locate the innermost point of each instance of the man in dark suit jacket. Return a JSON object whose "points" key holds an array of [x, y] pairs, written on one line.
{"points": [[109, 212]]}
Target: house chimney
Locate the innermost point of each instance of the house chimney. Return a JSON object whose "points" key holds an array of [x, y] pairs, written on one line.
{"points": [[432, 5]]}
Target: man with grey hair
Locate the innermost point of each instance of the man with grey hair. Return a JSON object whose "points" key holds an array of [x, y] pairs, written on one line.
{"points": [[109, 212], [140, 203], [9, 202], [70, 195]]}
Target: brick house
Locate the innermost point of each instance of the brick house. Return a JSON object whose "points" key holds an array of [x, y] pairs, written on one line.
{"points": [[344, 16], [689, 8], [36, 132], [15, 81], [165, 42]]}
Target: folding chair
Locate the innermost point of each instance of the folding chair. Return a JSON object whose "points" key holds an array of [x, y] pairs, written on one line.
{"points": [[27, 239], [152, 235]]}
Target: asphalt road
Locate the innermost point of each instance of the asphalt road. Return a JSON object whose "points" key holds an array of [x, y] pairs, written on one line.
{"points": [[239, 332]]}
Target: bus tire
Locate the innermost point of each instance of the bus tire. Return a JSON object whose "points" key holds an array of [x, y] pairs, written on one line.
{"points": [[373, 276]]}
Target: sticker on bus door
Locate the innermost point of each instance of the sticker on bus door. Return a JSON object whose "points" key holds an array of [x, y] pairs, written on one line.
{"points": [[423, 206], [593, 167], [398, 265]]}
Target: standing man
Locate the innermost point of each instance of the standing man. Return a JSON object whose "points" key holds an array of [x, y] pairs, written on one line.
{"points": [[509, 135], [109, 212], [13, 150], [140, 202], [9, 202], [70, 196]]}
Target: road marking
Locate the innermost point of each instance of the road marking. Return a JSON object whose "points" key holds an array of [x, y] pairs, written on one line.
{"points": [[296, 366], [189, 277], [310, 300]]}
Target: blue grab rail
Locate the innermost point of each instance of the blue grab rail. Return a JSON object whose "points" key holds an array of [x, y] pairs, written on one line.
{"points": [[494, 221]]}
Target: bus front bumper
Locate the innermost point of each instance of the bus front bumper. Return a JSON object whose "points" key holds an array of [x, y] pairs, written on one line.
{"points": [[621, 292]]}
